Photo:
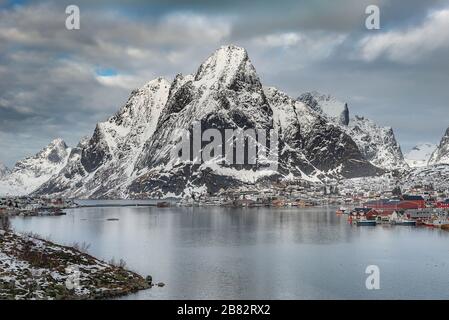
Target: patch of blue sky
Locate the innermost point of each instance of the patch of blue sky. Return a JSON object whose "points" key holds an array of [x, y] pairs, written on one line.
{"points": [[106, 72]]}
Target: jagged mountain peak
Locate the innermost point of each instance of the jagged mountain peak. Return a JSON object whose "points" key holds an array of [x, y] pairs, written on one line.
{"points": [[378, 144], [31, 172], [226, 66], [327, 105], [441, 154], [224, 93], [55, 152]]}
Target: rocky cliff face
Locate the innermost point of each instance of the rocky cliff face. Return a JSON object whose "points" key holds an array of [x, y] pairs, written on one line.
{"points": [[29, 173], [103, 165], [441, 154], [309, 135], [131, 154], [377, 144], [327, 105]]}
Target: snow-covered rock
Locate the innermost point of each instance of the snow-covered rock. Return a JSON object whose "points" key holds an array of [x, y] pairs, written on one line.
{"points": [[441, 154], [377, 144], [309, 139], [103, 165], [328, 105], [30, 173], [419, 155]]}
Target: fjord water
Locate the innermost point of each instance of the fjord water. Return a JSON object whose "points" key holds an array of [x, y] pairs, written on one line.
{"points": [[256, 253]]}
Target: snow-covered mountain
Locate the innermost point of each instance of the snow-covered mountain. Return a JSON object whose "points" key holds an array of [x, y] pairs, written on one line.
{"points": [[103, 165], [31, 172], [441, 154], [4, 171], [419, 155], [436, 171], [377, 144], [130, 154]]}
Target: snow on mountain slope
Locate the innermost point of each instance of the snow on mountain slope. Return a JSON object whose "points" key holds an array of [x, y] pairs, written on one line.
{"points": [[308, 139], [436, 175], [29, 173], [420, 154], [225, 93], [377, 144], [103, 165], [130, 155], [441, 154]]}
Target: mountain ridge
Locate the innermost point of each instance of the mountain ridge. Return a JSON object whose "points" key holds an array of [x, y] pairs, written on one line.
{"points": [[31, 172], [129, 155]]}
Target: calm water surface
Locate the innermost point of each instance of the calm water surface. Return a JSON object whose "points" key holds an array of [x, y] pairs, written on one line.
{"points": [[260, 253]]}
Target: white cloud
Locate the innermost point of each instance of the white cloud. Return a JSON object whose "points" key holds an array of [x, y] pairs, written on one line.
{"points": [[409, 45], [306, 46], [120, 81], [279, 40]]}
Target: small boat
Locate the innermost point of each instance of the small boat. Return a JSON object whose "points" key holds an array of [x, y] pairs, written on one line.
{"points": [[362, 223], [404, 222], [428, 223], [342, 210], [163, 204], [440, 223]]}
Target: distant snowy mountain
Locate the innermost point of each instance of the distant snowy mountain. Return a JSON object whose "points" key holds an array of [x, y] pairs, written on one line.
{"points": [[334, 109], [441, 154], [4, 171], [377, 144], [419, 156], [436, 171], [30, 173], [129, 156]]}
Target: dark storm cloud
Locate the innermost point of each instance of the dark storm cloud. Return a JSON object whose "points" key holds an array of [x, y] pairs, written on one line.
{"points": [[50, 85]]}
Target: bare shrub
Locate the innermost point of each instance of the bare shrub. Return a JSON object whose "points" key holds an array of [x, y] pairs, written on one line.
{"points": [[5, 223], [120, 264], [83, 247]]}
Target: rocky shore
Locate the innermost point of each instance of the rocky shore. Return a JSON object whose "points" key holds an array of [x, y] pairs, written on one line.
{"points": [[33, 268]]}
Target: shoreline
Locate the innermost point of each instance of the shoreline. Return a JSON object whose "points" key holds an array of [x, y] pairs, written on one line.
{"points": [[33, 268]]}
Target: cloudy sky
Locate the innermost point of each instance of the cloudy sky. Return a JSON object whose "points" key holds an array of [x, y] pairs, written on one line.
{"points": [[59, 83]]}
